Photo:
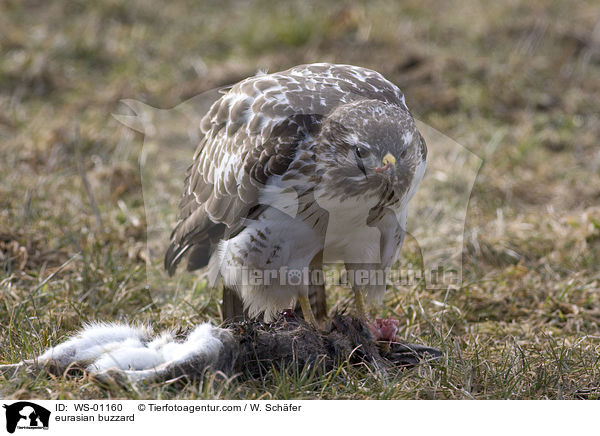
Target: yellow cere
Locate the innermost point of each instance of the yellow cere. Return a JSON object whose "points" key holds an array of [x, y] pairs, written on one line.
{"points": [[388, 159]]}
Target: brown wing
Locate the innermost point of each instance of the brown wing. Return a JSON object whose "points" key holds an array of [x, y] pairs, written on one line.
{"points": [[252, 133]]}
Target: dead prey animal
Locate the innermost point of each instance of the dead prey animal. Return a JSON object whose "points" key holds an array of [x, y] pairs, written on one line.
{"points": [[130, 354]]}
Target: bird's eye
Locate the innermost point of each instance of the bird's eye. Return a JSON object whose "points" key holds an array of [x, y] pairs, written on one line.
{"points": [[362, 152]]}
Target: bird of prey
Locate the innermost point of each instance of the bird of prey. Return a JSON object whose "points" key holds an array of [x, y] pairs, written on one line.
{"points": [[283, 153]]}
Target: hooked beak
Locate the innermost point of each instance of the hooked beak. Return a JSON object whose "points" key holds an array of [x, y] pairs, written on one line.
{"points": [[388, 161]]}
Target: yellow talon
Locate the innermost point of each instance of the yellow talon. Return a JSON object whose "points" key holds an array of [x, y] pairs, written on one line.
{"points": [[359, 299], [307, 311]]}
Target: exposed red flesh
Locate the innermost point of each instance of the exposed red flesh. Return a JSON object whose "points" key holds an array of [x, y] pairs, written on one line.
{"points": [[384, 329]]}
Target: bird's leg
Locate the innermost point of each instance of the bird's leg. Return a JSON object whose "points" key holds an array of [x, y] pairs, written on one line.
{"points": [[318, 302], [359, 301], [316, 288], [357, 288], [232, 306], [307, 311]]}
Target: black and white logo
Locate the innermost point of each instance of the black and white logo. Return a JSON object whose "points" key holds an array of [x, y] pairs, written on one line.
{"points": [[26, 415]]}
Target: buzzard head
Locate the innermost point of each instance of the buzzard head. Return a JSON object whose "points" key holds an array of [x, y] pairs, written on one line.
{"points": [[375, 147]]}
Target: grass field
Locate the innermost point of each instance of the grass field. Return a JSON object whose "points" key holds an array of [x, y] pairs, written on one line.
{"points": [[517, 83]]}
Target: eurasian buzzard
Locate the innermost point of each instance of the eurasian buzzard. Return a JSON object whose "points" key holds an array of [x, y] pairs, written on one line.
{"points": [[282, 154]]}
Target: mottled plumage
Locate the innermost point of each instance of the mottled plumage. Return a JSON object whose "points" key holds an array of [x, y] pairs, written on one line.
{"points": [[285, 155]]}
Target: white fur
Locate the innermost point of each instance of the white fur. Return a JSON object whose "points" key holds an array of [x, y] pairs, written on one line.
{"points": [[132, 350], [95, 340], [201, 340]]}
